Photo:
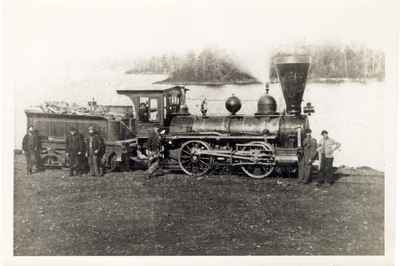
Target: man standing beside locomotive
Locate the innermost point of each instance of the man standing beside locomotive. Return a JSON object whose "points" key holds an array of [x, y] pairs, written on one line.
{"points": [[154, 151], [95, 151], [31, 148], [75, 148], [326, 147], [307, 157]]}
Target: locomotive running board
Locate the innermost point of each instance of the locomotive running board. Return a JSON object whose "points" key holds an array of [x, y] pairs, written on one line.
{"points": [[219, 137], [239, 155]]}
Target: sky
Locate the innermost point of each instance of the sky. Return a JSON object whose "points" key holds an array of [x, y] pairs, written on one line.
{"points": [[65, 50], [43, 36]]}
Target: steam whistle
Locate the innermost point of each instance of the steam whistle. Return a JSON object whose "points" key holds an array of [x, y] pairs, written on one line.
{"points": [[267, 87]]}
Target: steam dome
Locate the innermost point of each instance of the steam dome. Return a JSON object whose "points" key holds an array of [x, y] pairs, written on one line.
{"points": [[266, 105], [233, 104]]}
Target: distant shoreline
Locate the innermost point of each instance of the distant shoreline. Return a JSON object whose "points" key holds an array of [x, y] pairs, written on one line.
{"points": [[337, 80], [208, 83]]}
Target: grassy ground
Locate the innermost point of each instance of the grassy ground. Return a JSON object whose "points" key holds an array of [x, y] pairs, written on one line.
{"points": [[123, 214]]}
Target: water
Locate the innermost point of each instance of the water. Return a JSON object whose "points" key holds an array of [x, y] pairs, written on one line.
{"points": [[351, 112]]}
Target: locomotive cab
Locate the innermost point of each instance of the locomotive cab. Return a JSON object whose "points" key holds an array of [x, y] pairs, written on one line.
{"points": [[155, 108]]}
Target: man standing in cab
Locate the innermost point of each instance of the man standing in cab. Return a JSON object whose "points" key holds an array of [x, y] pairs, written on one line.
{"points": [[31, 147], [326, 147], [75, 148], [307, 157], [95, 151]]}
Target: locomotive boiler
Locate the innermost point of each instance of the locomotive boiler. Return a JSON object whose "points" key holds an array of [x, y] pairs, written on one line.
{"points": [[256, 143]]}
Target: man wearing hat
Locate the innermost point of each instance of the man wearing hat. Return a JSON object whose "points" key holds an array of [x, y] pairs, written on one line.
{"points": [[75, 150], [307, 157], [95, 151], [31, 148], [326, 148], [154, 151]]}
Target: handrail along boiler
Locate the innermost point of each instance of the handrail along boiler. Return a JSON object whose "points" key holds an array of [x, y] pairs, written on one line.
{"points": [[256, 143]]}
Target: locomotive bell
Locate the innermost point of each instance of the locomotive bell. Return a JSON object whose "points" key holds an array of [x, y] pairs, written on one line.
{"points": [[292, 72], [266, 105], [233, 104]]}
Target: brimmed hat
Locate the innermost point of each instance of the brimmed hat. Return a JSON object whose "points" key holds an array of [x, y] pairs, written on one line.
{"points": [[324, 132]]}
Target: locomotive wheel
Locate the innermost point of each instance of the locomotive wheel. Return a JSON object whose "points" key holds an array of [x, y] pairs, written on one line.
{"points": [[191, 162], [50, 161], [258, 171]]}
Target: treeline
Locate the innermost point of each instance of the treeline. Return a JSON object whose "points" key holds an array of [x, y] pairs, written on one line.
{"points": [[164, 64], [212, 66], [340, 62], [330, 62]]}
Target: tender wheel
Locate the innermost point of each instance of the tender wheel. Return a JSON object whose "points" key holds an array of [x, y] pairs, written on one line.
{"points": [[112, 163], [258, 170], [50, 161], [190, 159]]}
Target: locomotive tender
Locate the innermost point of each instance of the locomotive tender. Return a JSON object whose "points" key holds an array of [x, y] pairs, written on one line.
{"points": [[257, 144], [53, 128]]}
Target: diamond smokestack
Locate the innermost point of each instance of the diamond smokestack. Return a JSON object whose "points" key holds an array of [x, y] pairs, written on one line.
{"points": [[292, 72]]}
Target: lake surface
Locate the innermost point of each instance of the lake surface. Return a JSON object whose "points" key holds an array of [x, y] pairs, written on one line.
{"points": [[351, 112]]}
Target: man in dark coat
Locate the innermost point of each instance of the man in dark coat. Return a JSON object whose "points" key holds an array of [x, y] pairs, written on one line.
{"points": [[154, 151], [31, 147], [307, 157], [75, 150], [95, 151]]}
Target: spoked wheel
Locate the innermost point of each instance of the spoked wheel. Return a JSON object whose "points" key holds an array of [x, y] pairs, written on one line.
{"points": [[190, 159], [258, 170], [50, 161]]}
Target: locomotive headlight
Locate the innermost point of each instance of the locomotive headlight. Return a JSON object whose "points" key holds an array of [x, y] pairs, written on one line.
{"points": [[169, 142]]}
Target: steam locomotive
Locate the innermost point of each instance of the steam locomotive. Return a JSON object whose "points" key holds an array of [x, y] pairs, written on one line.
{"points": [[256, 143]]}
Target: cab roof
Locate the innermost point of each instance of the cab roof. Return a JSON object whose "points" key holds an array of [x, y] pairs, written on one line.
{"points": [[157, 91]]}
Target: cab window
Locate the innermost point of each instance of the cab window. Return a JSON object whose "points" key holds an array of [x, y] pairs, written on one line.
{"points": [[154, 112]]}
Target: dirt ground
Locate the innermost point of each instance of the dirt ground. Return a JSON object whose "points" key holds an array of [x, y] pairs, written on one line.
{"points": [[123, 214]]}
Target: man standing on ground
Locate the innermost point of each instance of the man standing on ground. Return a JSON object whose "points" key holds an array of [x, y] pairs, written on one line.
{"points": [[75, 148], [95, 151], [154, 151], [307, 157], [31, 148], [326, 147]]}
